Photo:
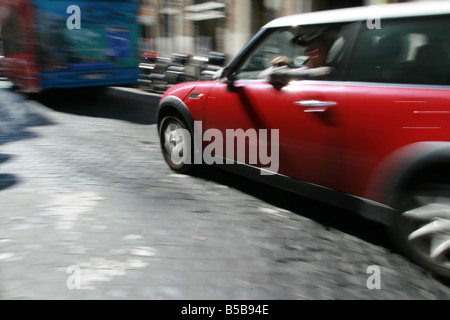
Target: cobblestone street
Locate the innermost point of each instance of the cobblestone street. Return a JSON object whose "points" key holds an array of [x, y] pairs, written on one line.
{"points": [[84, 188]]}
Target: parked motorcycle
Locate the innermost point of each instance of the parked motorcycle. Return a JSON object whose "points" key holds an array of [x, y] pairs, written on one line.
{"points": [[158, 73], [215, 62], [152, 72]]}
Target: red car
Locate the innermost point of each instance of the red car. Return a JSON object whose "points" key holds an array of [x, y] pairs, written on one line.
{"points": [[349, 106]]}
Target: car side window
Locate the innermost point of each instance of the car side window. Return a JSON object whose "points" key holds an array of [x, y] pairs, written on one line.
{"points": [[409, 51], [295, 45], [275, 45]]}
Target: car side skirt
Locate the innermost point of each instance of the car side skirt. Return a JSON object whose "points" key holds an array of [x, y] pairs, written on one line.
{"points": [[367, 208]]}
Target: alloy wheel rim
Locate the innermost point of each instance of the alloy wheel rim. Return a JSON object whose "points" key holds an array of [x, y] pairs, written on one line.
{"points": [[173, 138], [428, 233]]}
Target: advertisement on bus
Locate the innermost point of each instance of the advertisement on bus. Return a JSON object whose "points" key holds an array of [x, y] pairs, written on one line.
{"points": [[65, 44]]}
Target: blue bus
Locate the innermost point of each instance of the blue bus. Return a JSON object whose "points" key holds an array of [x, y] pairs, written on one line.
{"points": [[69, 44]]}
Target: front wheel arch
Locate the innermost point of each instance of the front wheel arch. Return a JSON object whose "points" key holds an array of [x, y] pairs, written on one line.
{"points": [[172, 105]]}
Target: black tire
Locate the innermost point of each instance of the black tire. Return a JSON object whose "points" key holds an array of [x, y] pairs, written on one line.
{"points": [[422, 229], [176, 143]]}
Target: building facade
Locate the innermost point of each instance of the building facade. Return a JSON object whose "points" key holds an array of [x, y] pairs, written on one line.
{"points": [[200, 26]]}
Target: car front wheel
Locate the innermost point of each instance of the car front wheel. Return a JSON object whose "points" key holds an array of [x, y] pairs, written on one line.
{"points": [[176, 143]]}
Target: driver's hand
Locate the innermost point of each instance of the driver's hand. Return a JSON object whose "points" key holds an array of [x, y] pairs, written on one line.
{"points": [[281, 61], [279, 77]]}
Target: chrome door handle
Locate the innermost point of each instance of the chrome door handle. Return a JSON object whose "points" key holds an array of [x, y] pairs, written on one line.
{"points": [[313, 104]]}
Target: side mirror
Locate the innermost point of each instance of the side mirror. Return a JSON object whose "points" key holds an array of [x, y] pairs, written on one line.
{"points": [[225, 73], [218, 74]]}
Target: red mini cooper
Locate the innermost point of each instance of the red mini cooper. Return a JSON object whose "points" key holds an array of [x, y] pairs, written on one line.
{"points": [[366, 129]]}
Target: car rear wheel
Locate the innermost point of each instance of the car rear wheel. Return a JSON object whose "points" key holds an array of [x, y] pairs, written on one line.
{"points": [[422, 231], [176, 143]]}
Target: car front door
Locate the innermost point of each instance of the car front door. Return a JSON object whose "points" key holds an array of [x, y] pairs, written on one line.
{"points": [[303, 115]]}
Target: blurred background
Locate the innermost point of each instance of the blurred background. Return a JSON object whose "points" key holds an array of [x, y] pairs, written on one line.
{"points": [[201, 26], [151, 43], [184, 40]]}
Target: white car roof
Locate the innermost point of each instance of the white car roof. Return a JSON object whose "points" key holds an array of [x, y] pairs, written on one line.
{"points": [[398, 10]]}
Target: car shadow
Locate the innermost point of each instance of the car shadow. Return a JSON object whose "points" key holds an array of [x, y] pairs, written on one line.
{"points": [[328, 216], [126, 104]]}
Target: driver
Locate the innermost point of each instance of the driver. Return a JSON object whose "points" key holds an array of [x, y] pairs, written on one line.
{"points": [[315, 66]]}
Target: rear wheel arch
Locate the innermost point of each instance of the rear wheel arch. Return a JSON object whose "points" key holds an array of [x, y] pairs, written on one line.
{"points": [[405, 166], [423, 163], [419, 190]]}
